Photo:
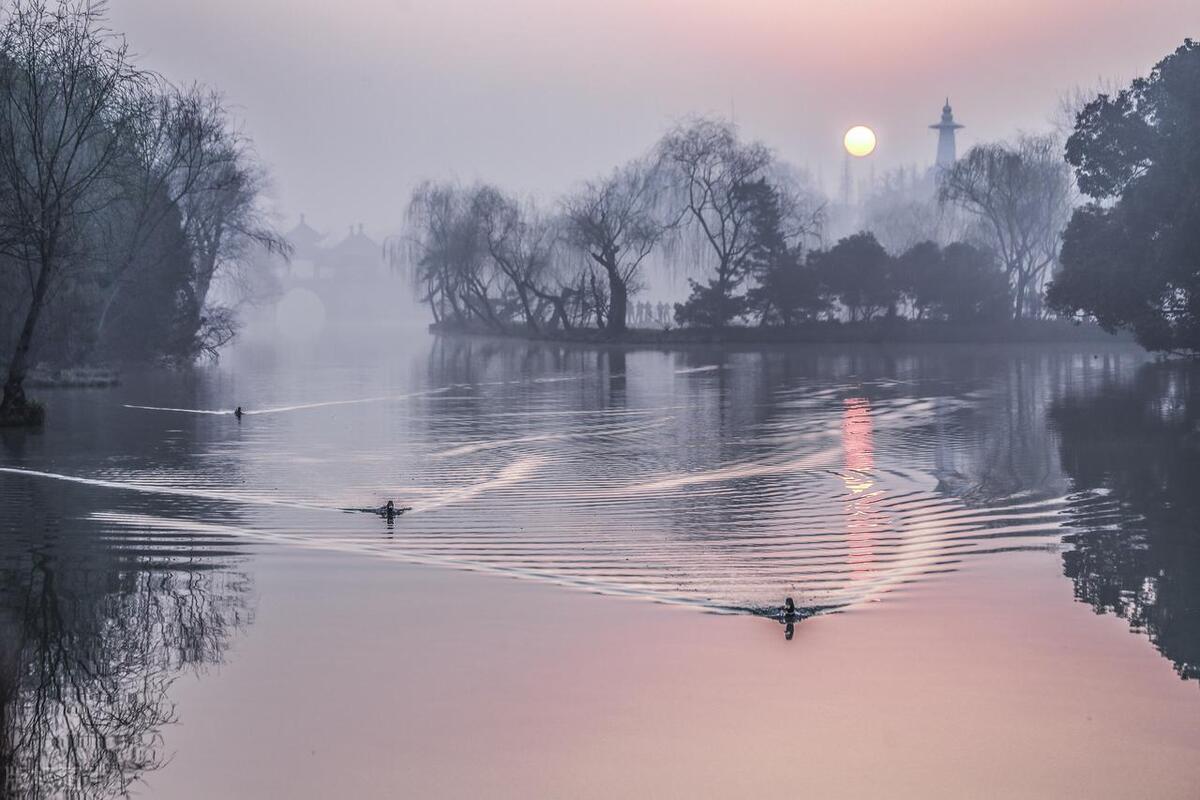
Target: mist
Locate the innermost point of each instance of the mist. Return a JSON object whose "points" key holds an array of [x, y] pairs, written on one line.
{"points": [[352, 104], [599, 399]]}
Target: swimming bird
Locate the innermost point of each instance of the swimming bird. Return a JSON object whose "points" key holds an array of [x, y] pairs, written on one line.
{"points": [[237, 412], [788, 618], [391, 510]]}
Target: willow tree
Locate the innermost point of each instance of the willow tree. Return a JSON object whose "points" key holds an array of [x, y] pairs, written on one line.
{"points": [[615, 221], [716, 187], [66, 91], [708, 170], [1022, 194], [520, 240], [443, 246]]}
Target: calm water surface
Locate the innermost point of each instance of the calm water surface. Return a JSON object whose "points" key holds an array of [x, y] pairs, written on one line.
{"points": [[146, 531]]}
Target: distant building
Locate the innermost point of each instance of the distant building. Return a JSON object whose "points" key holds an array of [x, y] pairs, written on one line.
{"points": [[316, 256], [356, 256], [947, 150], [345, 273], [305, 241]]}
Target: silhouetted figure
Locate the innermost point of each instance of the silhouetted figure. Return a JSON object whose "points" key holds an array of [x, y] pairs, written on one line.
{"points": [[237, 412]]}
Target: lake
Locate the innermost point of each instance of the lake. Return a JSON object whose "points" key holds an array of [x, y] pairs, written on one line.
{"points": [[994, 552]]}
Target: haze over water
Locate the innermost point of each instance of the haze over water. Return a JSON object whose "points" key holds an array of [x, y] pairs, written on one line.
{"points": [[857, 480]]}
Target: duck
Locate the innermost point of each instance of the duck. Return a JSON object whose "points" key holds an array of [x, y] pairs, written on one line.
{"points": [[391, 510], [789, 608], [237, 412]]}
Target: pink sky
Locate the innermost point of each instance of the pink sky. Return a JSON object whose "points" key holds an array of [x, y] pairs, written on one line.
{"points": [[351, 103]]}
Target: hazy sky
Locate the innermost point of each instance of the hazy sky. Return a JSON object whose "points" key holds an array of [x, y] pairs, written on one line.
{"points": [[351, 102]]}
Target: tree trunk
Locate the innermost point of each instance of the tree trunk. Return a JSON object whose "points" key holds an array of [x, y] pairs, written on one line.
{"points": [[558, 304], [596, 305], [725, 285], [618, 301], [531, 319], [14, 386], [126, 265], [560, 308], [1019, 303]]}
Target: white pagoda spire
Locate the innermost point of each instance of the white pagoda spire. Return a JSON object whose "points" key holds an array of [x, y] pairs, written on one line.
{"points": [[947, 152]]}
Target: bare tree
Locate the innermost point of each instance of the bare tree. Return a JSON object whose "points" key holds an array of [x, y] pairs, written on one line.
{"points": [[66, 89], [707, 168], [1022, 194], [718, 189], [424, 250], [903, 211], [174, 142], [443, 247], [520, 241], [802, 207], [478, 255], [226, 226], [615, 222]]}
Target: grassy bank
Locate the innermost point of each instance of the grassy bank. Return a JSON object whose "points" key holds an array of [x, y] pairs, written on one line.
{"points": [[31, 414], [882, 331], [73, 378]]}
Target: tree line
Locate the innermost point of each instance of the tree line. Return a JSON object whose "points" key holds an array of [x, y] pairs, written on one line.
{"points": [[748, 227], [124, 199], [1001, 234]]}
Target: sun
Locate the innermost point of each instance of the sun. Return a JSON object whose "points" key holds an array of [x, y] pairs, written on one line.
{"points": [[859, 141]]}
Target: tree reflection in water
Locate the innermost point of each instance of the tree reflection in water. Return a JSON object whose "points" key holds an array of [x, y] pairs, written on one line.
{"points": [[1139, 557], [91, 638]]}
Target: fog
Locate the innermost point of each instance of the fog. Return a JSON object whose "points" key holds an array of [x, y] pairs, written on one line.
{"points": [[552, 382], [351, 103]]}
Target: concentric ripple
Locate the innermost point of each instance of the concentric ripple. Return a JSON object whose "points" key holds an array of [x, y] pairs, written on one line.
{"points": [[728, 485]]}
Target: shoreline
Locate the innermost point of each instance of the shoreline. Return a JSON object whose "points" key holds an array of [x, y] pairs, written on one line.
{"points": [[98, 377], [875, 332]]}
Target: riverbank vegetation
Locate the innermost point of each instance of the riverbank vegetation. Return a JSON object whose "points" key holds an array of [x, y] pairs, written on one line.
{"points": [[999, 235], [1131, 255], [124, 201], [485, 259], [880, 330]]}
